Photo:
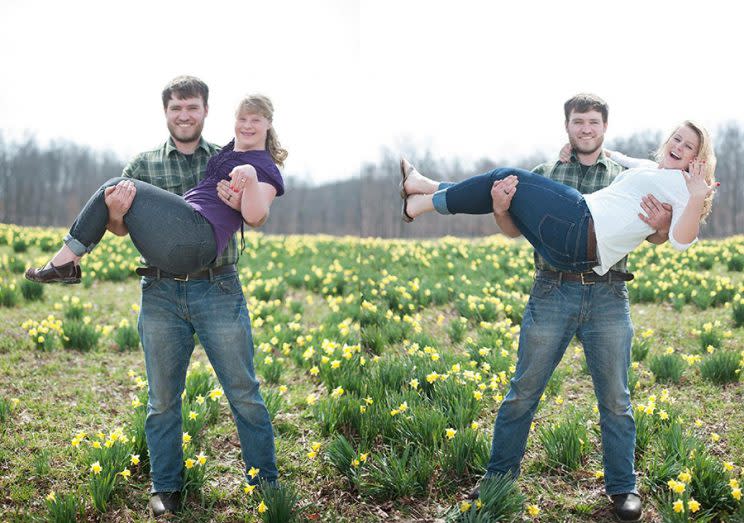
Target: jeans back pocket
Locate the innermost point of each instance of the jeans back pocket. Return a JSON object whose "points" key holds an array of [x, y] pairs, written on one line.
{"points": [[555, 234]]}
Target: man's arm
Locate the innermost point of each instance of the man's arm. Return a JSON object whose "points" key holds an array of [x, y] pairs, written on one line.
{"points": [[119, 199], [502, 193]]}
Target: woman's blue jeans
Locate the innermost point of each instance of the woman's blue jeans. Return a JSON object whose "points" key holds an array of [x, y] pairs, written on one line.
{"points": [[553, 217], [164, 228]]}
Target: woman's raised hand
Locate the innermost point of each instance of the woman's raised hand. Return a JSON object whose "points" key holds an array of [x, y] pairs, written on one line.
{"points": [[228, 196], [695, 180], [241, 176]]}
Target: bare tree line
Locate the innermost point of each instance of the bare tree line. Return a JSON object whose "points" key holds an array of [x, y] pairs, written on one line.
{"points": [[48, 186]]}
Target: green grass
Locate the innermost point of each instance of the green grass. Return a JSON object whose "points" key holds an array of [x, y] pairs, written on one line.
{"points": [[61, 392]]}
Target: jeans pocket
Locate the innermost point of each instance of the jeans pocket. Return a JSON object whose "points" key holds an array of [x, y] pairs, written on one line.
{"points": [[620, 290], [542, 288], [146, 283], [230, 286], [554, 235]]}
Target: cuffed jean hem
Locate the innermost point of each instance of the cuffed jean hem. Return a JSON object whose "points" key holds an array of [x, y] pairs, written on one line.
{"points": [[76, 247], [439, 200], [634, 490], [158, 490]]}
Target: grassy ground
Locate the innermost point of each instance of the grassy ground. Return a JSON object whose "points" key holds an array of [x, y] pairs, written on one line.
{"points": [[59, 393]]}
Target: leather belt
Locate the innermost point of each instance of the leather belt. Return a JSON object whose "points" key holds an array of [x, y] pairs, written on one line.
{"points": [[207, 274], [586, 278], [591, 241]]}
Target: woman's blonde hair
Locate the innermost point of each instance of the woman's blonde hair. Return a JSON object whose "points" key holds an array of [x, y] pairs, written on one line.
{"points": [[260, 104], [706, 153]]}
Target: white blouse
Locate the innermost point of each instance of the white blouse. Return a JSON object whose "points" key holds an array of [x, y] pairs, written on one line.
{"points": [[615, 208]]}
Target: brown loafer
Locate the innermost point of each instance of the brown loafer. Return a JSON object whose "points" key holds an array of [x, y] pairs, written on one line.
{"points": [[67, 273]]}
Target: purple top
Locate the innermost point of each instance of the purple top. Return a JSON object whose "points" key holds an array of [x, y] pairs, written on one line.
{"points": [[203, 198]]}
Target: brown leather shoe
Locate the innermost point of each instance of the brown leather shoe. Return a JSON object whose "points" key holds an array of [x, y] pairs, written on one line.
{"points": [[67, 273], [627, 507], [165, 503]]}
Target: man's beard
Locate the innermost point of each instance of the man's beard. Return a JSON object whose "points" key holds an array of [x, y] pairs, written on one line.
{"points": [[584, 148], [179, 136]]}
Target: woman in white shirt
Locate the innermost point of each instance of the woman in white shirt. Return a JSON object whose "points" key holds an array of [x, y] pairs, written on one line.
{"points": [[576, 232]]}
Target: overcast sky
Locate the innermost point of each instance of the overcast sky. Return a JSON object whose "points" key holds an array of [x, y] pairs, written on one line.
{"points": [[349, 77]]}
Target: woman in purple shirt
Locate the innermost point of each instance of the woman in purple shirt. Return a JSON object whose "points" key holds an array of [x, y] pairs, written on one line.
{"points": [[192, 230]]}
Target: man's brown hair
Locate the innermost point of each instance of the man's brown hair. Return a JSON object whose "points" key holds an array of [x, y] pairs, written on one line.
{"points": [[585, 102], [185, 87]]}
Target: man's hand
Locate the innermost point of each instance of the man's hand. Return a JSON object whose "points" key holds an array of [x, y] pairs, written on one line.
{"points": [[228, 196], [502, 193], [658, 216], [118, 199]]}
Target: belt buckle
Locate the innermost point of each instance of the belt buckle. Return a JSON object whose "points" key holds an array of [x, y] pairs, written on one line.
{"points": [[181, 279], [583, 281]]}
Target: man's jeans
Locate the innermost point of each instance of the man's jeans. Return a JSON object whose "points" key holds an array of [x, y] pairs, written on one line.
{"points": [[172, 311], [599, 315]]}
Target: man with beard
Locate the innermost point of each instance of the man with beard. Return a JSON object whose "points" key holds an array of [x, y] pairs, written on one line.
{"points": [[593, 308], [208, 303]]}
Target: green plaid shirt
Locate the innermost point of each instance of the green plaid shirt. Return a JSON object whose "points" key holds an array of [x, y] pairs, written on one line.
{"points": [[599, 176], [168, 168]]}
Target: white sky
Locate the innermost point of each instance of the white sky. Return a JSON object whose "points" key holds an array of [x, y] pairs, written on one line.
{"points": [[348, 77]]}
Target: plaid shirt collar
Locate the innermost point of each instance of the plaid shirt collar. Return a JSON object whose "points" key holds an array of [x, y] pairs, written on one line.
{"points": [[170, 146], [602, 159]]}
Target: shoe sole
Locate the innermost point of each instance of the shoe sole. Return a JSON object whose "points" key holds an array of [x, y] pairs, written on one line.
{"points": [[403, 194], [404, 177], [640, 518]]}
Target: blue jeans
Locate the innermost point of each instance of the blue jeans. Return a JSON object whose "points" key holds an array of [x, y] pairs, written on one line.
{"points": [[599, 315], [171, 312], [553, 217]]}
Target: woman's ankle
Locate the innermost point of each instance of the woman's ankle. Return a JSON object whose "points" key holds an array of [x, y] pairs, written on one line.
{"points": [[419, 204], [63, 256]]}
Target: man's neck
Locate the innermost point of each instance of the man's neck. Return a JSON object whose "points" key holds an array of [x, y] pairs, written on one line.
{"points": [[186, 147], [588, 159]]}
